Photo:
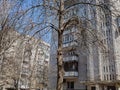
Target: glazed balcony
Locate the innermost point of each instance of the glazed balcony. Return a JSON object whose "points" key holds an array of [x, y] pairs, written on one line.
{"points": [[71, 74], [74, 43], [70, 58], [71, 69]]}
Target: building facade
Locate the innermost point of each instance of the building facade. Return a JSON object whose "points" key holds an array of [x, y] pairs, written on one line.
{"points": [[34, 67], [25, 64], [91, 49]]}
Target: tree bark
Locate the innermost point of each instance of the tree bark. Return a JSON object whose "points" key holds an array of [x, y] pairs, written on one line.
{"points": [[60, 69]]}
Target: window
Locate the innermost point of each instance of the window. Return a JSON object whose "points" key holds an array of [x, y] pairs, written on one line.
{"points": [[82, 10], [104, 68], [117, 32], [107, 77], [104, 77], [113, 76], [70, 85], [110, 77], [68, 38], [118, 21], [71, 13], [112, 68], [71, 66], [93, 88]]}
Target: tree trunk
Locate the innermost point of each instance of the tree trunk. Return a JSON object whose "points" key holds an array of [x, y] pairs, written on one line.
{"points": [[60, 69]]}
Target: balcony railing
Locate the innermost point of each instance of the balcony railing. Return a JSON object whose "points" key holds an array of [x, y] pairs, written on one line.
{"points": [[70, 58], [71, 74]]}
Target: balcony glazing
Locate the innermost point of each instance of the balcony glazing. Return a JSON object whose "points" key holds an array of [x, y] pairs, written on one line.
{"points": [[71, 69], [70, 58], [71, 74], [74, 43]]}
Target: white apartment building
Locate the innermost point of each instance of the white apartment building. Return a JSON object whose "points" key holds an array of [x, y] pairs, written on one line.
{"points": [[34, 67], [91, 61], [25, 64]]}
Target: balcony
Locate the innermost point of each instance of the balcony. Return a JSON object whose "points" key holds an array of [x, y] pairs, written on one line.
{"points": [[71, 69], [71, 74], [70, 58], [70, 44]]}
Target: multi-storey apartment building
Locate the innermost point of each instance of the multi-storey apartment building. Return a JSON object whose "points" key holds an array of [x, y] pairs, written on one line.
{"points": [[34, 67], [24, 64], [91, 61]]}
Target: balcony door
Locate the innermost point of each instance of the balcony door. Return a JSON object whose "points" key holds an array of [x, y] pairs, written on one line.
{"points": [[70, 85], [93, 88]]}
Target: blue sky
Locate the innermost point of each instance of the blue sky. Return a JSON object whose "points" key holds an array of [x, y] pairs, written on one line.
{"points": [[33, 17]]}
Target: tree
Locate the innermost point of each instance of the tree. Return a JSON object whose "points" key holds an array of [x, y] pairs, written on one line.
{"points": [[11, 42], [22, 53], [87, 31], [9, 67], [57, 7], [53, 9]]}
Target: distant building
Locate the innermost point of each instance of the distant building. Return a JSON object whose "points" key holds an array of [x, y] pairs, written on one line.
{"points": [[28, 67], [93, 65]]}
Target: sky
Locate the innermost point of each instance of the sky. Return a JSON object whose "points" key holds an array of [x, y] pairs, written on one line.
{"points": [[33, 19]]}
